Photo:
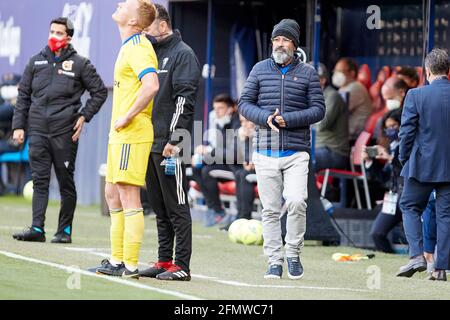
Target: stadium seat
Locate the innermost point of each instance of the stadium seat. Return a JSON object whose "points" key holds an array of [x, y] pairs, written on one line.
{"points": [[227, 190], [355, 161], [364, 76], [20, 157], [15, 157], [373, 119], [193, 184], [375, 90], [421, 76]]}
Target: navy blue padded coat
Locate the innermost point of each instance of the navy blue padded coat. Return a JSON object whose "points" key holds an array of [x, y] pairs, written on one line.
{"points": [[297, 95]]}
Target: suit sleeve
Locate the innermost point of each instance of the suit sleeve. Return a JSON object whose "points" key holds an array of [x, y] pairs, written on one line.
{"points": [[96, 88], [20, 118], [408, 128], [247, 103], [185, 82], [316, 106]]}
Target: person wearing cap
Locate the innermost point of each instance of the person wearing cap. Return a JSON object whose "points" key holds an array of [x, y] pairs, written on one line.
{"points": [[50, 112], [332, 148], [283, 97]]}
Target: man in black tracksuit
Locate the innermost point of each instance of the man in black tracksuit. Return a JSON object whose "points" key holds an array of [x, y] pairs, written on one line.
{"points": [[173, 112], [49, 110]]}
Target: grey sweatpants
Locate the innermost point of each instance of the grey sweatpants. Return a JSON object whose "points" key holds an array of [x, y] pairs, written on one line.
{"points": [[279, 178]]}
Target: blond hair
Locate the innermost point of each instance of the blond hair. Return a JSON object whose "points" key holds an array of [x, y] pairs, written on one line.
{"points": [[146, 13]]}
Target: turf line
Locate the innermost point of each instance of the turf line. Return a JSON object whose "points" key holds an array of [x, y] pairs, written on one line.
{"points": [[90, 274], [94, 251]]}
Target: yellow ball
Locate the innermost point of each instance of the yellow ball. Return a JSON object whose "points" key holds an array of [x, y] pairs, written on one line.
{"points": [[235, 231], [252, 234], [28, 191], [258, 229]]}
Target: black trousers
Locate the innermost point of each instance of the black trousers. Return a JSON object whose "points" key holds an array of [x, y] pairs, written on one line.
{"points": [[245, 194], [209, 185], [61, 152], [169, 199], [381, 227]]}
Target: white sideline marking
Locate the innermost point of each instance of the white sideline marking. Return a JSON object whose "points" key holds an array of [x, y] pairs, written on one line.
{"points": [[93, 251], [243, 284], [90, 274]]}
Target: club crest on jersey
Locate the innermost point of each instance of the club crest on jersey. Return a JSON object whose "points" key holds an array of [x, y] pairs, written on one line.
{"points": [[67, 65]]}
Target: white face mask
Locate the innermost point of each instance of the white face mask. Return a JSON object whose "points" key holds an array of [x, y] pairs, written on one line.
{"points": [[392, 104], [222, 122], [338, 79], [9, 92]]}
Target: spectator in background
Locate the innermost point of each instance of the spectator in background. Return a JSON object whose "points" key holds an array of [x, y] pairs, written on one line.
{"points": [[332, 147], [218, 154], [8, 98], [356, 95], [8, 92], [375, 90], [393, 92], [410, 76], [245, 189], [385, 167]]}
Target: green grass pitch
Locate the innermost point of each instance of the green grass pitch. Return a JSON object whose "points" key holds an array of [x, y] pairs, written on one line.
{"points": [[221, 269]]}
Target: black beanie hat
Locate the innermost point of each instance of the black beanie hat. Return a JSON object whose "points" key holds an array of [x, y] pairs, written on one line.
{"points": [[288, 28]]}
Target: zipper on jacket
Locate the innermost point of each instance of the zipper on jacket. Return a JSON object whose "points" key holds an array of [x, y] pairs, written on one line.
{"points": [[282, 109], [51, 86], [283, 76]]}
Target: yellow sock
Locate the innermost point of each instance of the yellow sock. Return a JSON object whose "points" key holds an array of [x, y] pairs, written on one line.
{"points": [[133, 235], [116, 234]]}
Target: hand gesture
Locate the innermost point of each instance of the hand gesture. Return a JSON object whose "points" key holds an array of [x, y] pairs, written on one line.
{"points": [[78, 128]]}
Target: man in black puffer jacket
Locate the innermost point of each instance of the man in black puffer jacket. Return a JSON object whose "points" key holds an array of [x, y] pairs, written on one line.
{"points": [[172, 117], [283, 97], [49, 109]]}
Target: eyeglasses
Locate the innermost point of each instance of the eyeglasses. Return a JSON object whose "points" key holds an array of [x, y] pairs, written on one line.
{"points": [[281, 40]]}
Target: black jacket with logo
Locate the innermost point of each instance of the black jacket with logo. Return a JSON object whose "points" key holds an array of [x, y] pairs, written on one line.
{"points": [[179, 76], [50, 90]]}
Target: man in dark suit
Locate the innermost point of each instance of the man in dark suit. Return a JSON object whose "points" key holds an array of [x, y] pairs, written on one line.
{"points": [[425, 153]]}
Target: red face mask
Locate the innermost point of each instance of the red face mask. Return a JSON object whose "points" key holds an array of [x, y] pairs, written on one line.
{"points": [[55, 43]]}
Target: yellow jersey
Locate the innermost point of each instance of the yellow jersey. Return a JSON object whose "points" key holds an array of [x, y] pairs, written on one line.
{"points": [[136, 58]]}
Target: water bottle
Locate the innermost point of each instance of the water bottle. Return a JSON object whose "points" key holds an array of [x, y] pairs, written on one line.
{"points": [[327, 205], [169, 166], [198, 161]]}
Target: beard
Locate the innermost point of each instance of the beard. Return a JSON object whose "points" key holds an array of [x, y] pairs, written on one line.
{"points": [[281, 55]]}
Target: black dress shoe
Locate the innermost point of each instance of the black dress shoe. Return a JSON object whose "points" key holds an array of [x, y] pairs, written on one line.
{"points": [[416, 264], [104, 264], [62, 238], [438, 275], [30, 234]]}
